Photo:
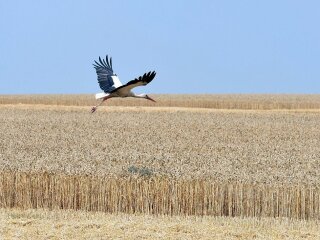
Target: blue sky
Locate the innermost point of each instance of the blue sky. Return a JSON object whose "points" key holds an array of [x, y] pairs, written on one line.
{"points": [[200, 46]]}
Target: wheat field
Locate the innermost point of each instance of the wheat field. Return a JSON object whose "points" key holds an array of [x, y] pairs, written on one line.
{"points": [[157, 196], [222, 145], [216, 101], [243, 156]]}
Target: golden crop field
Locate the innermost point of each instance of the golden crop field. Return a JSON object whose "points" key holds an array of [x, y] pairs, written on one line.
{"points": [[216, 101], [218, 155], [226, 146]]}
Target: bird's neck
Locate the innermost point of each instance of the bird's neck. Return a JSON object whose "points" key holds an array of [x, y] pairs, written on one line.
{"points": [[142, 95]]}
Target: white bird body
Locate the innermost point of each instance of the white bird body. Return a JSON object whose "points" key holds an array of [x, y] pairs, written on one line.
{"points": [[111, 85], [131, 94], [101, 95]]}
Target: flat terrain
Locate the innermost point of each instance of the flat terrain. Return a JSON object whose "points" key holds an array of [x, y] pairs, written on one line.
{"points": [[268, 143], [215, 101], [253, 146], [41, 224]]}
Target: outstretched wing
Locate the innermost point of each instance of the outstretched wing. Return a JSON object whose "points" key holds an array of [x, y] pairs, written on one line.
{"points": [[108, 81], [140, 81]]}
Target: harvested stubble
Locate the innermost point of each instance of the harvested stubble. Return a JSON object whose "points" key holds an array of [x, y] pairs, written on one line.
{"points": [[159, 196], [216, 101], [70, 224]]}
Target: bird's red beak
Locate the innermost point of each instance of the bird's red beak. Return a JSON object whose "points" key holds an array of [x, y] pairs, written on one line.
{"points": [[149, 98]]}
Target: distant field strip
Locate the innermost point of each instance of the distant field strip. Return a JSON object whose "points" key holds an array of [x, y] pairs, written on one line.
{"points": [[144, 109], [159, 196], [216, 101]]}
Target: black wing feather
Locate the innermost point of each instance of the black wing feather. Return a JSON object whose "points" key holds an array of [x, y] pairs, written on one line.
{"points": [[142, 80], [104, 63], [105, 72]]}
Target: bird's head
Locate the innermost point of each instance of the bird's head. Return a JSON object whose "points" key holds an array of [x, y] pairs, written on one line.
{"points": [[149, 98]]}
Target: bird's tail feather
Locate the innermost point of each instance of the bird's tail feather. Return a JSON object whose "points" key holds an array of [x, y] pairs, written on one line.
{"points": [[101, 95]]}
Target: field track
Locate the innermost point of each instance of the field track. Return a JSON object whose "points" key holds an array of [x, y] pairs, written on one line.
{"points": [[68, 224], [150, 109]]}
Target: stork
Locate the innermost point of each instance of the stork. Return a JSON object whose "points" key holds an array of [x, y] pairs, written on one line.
{"points": [[111, 85]]}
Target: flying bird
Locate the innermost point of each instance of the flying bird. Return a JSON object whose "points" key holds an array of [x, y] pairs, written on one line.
{"points": [[111, 85]]}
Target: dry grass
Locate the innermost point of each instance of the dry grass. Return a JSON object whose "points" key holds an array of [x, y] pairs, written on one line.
{"points": [[41, 224], [218, 101]]}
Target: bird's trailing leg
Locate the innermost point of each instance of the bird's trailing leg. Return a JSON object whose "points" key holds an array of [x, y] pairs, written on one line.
{"points": [[93, 109]]}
